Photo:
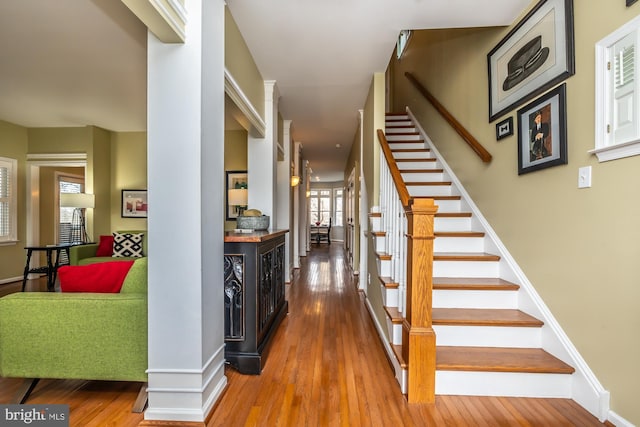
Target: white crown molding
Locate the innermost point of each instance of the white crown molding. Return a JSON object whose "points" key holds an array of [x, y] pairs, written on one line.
{"points": [[56, 156], [166, 19], [233, 90]]}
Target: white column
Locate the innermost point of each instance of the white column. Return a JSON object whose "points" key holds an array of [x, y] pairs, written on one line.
{"points": [[364, 212], [297, 202], [283, 194], [262, 158], [185, 224]]}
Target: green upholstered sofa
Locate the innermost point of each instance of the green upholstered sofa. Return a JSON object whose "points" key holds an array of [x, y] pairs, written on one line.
{"points": [[91, 336], [86, 254]]}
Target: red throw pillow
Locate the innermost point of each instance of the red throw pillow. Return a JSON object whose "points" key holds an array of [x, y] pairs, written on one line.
{"points": [[105, 247], [101, 277]]}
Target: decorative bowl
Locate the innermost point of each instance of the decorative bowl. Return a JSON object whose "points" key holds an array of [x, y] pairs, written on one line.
{"points": [[253, 222]]}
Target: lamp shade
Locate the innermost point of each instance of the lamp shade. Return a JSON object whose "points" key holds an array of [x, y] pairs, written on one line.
{"points": [[77, 200], [238, 197]]}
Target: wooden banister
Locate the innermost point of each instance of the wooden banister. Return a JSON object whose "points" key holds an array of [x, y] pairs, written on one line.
{"points": [[455, 124], [418, 336], [403, 192]]}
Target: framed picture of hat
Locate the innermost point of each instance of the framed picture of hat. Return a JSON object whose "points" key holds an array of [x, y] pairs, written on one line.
{"points": [[542, 132], [535, 55]]}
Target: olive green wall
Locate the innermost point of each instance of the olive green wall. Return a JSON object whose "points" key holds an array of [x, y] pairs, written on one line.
{"points": [[235, 159], [128, 169], [373, 119], [579, 247], [239, 63], [14, 144]]}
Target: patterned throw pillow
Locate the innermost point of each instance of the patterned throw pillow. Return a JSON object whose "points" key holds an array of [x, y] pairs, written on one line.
{"points": [[127, 245]]}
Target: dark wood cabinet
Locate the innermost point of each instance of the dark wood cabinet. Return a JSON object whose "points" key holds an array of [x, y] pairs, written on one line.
{"points": [[254, 296]]}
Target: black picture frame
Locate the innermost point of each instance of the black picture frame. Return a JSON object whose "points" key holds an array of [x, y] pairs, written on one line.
{"points": [[504, 128], [133, 204], [550, 149], [521, 65], [234, 177], [630, 2]]}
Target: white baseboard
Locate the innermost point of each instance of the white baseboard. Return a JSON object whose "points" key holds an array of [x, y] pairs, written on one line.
{"points": [[618, 421], [10, 280]]}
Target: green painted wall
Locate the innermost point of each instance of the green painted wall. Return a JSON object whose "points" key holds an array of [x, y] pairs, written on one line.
{"points": [[579, 247], [14, 144], [128, 170]]}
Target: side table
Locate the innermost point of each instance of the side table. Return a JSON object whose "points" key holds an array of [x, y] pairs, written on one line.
{"points": [[51, 269]]}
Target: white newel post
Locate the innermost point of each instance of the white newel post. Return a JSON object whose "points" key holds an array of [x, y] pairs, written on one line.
{"points": [[284, 195], [262, 158], [185, 224]]}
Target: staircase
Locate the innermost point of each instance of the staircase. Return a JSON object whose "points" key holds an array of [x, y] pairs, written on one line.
{"points": [[486, 343]]}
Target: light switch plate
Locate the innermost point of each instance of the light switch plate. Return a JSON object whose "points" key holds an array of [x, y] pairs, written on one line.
{"points": [[584, 177]]}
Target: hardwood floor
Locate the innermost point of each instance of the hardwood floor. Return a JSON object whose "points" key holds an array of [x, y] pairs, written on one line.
{"points": [[326, 367]]}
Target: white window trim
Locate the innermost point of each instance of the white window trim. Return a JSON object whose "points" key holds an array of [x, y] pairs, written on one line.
{"points": [[12, 165], [615, 151]]}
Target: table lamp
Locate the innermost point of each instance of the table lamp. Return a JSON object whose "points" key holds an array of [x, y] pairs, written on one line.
{"points": [[238, 197], [80, 202]]}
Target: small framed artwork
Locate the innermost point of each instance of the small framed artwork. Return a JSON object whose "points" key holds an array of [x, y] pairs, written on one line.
{"points": [[542, 132], [537, 54], [134, 204], [236, 194], [504, 128], [630, 2]]}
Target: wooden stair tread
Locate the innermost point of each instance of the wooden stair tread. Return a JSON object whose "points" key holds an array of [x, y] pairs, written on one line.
{"points": [[484, 317], [426, 183], [496, 359], [465, 256], [452, 214], [397, 351], [459, 234], [477, 283], [383, 256], [414, 160], [410, 150], [388, 282], [394, 314], [439, 198], [422, 171], [375, 215]]}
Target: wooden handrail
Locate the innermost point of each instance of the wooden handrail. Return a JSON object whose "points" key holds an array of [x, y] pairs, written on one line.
{"points": [[401, 187], [455, 124]]}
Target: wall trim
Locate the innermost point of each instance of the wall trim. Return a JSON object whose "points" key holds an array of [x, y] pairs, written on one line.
{"points": [[233, 89]]}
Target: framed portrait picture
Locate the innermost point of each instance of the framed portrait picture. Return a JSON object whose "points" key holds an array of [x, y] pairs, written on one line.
{"points": [[504, 128], [236, 194], [542, 132], [537, 54], [134, 204]]}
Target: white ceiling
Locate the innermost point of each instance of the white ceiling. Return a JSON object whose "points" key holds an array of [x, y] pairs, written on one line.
{"points": [[83, 62]]}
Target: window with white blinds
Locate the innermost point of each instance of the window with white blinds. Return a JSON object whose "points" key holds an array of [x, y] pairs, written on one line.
{"points": [[8, 202], [618, 94]]}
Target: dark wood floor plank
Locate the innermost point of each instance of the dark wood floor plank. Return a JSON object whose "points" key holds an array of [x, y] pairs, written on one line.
{"points": [[326, 366]]}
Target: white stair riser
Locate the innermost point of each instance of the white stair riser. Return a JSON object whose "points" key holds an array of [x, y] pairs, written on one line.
{"points": [[404, 137], [375, 223], [466, 269], [458, 244], [413, 155], [452, 224], [389, 296], [384, 267], [445, 298], [418, 165], [429, 190], [380, 243], [400, 128], [395, 332], [422, 176], [503, 384], [449, 205], [488, 336], [406, 145]]}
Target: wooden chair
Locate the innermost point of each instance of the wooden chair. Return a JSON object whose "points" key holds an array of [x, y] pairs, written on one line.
{"points": [[324, 234]]}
